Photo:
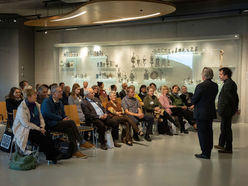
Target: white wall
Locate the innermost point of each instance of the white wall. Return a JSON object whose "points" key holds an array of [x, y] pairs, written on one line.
{"points": [[45, 65]]}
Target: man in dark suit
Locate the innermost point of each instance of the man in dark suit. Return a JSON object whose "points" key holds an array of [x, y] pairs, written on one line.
{"points": [[227, 106], [205, 112], [96, 114]]}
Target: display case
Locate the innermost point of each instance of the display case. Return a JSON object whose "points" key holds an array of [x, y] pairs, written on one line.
{"points": [[142, 62]]}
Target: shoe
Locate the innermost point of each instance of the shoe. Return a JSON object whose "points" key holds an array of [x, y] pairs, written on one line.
{"points": [[117, 144], [79, 154], [148, 138], [219, 147], [87, 145], [202, 156], [130, 143], [104, 147], [136, 138], [225, 151], [141, 133]]}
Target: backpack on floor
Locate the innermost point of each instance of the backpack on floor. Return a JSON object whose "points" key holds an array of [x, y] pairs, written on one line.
{"points": [[63, 147]]}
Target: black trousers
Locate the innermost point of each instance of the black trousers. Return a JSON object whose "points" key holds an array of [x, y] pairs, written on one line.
{"points": [[69, 127], [44, 142], [205, 135], [101, 127], [176, 111], [148, 119], [225, 139]]}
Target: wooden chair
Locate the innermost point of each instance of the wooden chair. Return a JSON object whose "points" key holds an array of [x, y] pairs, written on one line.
{"points": [[72, 113], [3, 112], [14, 114]]}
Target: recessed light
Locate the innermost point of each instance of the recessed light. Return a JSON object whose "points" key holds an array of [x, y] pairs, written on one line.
{"points": [[129, 18], [45, 32], [14, 20], [66, 18], [236, 36]]}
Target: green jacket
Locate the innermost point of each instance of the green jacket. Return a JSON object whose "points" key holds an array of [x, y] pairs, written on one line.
{"points": [[176, 100], [150, 103]]}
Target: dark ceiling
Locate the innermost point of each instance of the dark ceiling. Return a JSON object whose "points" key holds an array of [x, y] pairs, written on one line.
{"points": [[31, 9]]}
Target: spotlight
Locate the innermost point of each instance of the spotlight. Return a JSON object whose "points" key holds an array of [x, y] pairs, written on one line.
{"points": [[45, 32], [14, 20]]}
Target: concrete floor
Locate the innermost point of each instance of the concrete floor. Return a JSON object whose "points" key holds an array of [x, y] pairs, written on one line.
{"points": [[167, 161]]}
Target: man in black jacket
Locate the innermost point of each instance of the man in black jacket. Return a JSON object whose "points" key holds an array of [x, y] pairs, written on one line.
{"points": [[205, 112], [123, 93], [96, 114], [227, 106]]}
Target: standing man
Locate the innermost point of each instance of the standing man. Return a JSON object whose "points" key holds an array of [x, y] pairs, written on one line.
{"points": [[227, 106], [205, 112]]}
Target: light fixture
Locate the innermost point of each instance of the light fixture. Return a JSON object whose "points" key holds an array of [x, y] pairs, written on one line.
{"points": [[71, 17], [45, 32], [14, 20], [69, 29], [128, 18], [236, 36]]}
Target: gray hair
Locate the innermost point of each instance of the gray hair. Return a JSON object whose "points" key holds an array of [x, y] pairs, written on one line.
{"points": [[54, 88], [208, 73], [41, 88], [112, 93]]}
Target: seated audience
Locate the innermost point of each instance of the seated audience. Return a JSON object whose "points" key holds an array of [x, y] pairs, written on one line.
{"points": [[96, 114], [85, 85], [113, 88], [186, 97], [29, 125], [123, 92], [142, 92], [133, 109], [96, 91], [152, 107], [23, 85], [76, 99], [13, 100], [173, 110], [178, 102], [62, 85], [53, 112], [102, 92], [116, 112], [42, 93], [154, 86], [137, 96], [66, 94]]}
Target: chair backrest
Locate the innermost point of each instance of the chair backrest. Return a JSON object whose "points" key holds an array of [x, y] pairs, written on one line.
{"points": [[72, 113], [3, 111], [14, 114]]}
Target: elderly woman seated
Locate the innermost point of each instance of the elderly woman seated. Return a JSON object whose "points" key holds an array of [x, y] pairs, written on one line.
{"points": [[29, 125], [116, 112], [153, 107]]}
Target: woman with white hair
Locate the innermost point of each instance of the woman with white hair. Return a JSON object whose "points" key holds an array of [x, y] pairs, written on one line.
{"points": [[29, 125]]}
